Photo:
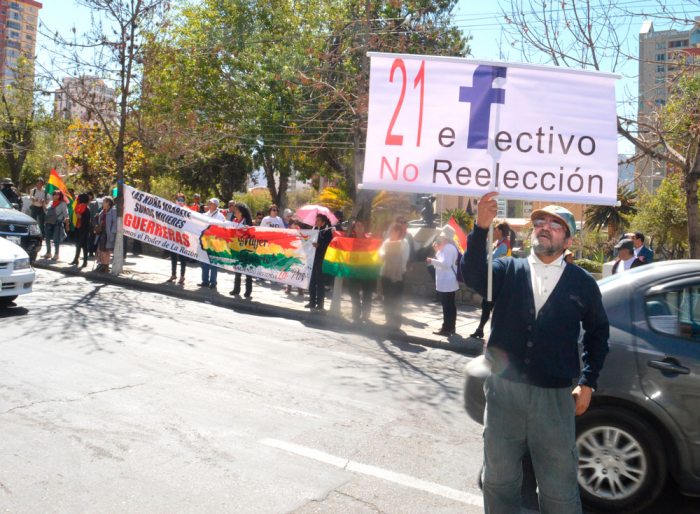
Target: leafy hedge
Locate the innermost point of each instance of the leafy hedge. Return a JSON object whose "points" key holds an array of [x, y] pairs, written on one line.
{"points": [[589, 265]]}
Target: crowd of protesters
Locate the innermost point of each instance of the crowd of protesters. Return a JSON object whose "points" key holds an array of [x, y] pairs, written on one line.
{"points": [[90, 223], [93, 228]]}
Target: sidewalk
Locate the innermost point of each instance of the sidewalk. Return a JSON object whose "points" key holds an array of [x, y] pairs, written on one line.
{"points": [[149, 273]]}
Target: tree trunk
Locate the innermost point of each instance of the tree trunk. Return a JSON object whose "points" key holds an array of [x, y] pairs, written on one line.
{"points": [[612, 230], [282, 191], [362, 208], [269, 169], [691, 204]]}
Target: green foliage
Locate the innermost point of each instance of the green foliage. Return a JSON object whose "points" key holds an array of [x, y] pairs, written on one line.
{"points": [[462, 218], [663, 218], [614, 217], [257, 200], [589, 265], [593, 245], [335, 199], [283, 82], [296, 199], [167, 186]]}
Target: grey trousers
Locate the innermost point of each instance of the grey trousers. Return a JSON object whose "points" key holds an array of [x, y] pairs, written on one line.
{"points": [[521, 418]]}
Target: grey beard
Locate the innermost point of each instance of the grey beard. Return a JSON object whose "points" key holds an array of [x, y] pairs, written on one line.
{"points": [[541, 249]]}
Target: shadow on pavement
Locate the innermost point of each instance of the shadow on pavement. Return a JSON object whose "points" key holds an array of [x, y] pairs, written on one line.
{"points": [[13, 311]]}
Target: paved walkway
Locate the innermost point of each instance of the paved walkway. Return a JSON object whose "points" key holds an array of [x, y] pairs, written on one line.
{"points": [[149, 273]]}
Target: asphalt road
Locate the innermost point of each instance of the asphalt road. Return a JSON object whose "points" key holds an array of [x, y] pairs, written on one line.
{"points": [[114, 400]]}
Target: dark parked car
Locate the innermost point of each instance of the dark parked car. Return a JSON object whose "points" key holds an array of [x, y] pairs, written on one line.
{"points": [[644, 420], [19, 228]]}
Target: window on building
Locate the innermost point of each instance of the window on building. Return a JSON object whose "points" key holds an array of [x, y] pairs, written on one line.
{"points": [[15, 5], [16, 16], [13, 34], [660, 57], [660, 80], [14, 25], [660, 69], [679, 43], [660, 46], [13, 44]]}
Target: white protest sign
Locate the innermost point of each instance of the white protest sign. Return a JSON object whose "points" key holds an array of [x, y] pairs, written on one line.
{"points": [[460, 127], [280, 255]]}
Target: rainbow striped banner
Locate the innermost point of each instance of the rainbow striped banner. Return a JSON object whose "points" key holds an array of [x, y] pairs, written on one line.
{"points": [[353, 257]]}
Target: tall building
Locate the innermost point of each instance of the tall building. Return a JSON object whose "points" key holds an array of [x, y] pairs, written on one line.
{"points": [[659, 55], [81, 98], [18, 23]]}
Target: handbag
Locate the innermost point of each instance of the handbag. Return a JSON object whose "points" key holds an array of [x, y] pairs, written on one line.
{"points": [[98, 229]]}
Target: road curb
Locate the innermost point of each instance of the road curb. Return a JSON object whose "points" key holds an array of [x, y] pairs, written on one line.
{"points": [[468, 346]]}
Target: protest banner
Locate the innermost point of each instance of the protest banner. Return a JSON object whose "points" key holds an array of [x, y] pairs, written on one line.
{"points": [[279, 255], [461, 127]]}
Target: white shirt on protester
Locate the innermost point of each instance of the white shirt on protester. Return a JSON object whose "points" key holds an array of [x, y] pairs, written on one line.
{"points": [[445, 262], [627, 265], [215, 214], [272, 222], [39, 197], [544, 278]]}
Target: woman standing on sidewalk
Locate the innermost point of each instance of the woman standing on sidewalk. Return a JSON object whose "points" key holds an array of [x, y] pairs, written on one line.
{"points": [[361, 289], [244, 219], [56, 217], [394, 253], [445, 263], [178, 257], [210, 272], [106, 230], [82, 228]]}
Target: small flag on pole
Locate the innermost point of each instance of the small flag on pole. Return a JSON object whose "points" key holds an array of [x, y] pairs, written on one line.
{"points": [[460, 237]]}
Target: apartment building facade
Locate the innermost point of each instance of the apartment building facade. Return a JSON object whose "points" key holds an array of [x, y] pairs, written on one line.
{"points": [[86, 99], [659, 56], [18, 25]]}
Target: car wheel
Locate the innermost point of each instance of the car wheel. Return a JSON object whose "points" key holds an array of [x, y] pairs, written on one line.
{"points": [[622, 465], [7, 300]]}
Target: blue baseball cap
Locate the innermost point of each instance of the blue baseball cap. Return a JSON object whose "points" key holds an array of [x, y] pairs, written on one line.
{"points": [[558, 212]]}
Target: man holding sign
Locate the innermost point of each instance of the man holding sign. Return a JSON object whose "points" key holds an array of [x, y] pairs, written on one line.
{"points": [[540, 304]]}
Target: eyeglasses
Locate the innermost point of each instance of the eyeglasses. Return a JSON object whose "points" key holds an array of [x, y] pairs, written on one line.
{"points": [[274, 210], [554, 225]]}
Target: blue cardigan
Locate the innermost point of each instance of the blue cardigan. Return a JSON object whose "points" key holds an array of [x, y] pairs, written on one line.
{"points": [[543, 350]]}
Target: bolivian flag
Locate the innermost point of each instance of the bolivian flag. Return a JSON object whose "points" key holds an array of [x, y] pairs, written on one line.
{"points": [[56, 184], [353, 257]]}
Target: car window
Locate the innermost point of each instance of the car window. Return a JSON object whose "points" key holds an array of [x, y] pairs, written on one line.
{"points": [[676, 312], [4, 202]]}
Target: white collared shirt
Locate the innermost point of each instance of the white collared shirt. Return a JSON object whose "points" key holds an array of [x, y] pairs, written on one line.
{"points": [[626, 264], [544, 278]]}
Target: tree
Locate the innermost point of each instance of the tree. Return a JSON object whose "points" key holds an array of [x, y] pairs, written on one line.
{"points": [[663, 218], [587, 34], [116, 39], [89, 153], [614, 217], [17, 118], [337, 86]]}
